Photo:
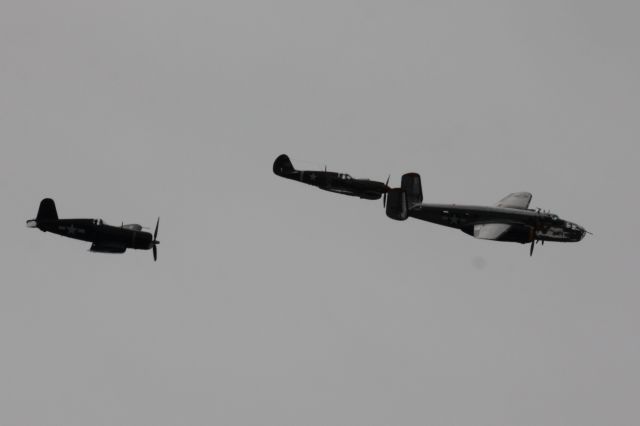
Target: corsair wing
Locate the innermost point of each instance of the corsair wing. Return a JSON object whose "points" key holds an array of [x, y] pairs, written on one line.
{"points": [[108, 247], [516, 200]]}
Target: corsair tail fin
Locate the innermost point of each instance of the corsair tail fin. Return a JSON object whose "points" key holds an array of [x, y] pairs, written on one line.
{"points": [[47, 210]]}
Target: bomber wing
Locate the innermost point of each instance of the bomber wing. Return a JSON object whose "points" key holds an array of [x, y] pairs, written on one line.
{"points": [[490, 231], [496, 231], [516, 200]]}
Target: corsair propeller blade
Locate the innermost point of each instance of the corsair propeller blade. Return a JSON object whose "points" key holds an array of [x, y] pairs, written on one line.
{"points": [[155, 234]]}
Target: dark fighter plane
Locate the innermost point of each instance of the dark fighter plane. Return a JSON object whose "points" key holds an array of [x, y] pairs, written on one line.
{"points": [[104, 238], [509, 220], [330, 181]]}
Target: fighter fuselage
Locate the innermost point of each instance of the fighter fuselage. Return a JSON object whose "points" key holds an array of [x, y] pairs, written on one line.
{"points": [[341, 183], [97, 232]]}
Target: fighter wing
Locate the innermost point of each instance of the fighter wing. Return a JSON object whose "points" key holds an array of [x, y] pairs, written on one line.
{"points": [[108, 247], [517, 200]]}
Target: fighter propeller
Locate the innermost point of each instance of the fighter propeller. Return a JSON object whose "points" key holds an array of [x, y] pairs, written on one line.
{"points": [[155, 241], [384, 196]]}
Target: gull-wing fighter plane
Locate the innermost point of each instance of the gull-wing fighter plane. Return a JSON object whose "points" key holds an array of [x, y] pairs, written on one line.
{"points": [[104, 238], [330, 181], [509, 220]]}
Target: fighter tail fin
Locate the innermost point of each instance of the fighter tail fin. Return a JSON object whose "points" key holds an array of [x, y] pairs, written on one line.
{"points": [[47, 210], [283, 165]]}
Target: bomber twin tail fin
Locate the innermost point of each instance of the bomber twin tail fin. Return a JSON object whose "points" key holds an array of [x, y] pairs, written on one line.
{"points": [[401, 200], [412, 186]]}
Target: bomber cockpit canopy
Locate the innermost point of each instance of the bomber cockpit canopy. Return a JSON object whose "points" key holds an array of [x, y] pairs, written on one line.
{"points": [[98, 222], [344, 176], [552, 216]]}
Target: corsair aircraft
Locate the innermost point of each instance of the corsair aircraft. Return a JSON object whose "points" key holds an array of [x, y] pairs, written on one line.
{"points": [[103, 238]]}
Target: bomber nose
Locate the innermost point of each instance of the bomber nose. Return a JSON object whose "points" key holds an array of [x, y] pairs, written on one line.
{"points": [[583, 232]]}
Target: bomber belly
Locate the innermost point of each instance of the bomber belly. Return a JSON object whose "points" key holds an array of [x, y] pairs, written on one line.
{"points": [[440, 217], [464, 216], [500, 232]]}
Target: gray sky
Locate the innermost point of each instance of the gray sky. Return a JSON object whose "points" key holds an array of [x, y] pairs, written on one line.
{"points": [[275, 303]]}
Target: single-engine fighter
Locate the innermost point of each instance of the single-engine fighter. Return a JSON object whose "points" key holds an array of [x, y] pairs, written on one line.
{"points": [[330, 181], [104, 238], [509, 220]]}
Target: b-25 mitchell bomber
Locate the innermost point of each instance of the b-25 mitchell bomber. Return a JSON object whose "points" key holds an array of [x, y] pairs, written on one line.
{"points": [[331, 181], [104, 238], [509, 220]]}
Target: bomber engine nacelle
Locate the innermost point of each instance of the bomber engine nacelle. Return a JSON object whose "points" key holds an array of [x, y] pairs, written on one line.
{"points": [[133, 227], [397, 207]]}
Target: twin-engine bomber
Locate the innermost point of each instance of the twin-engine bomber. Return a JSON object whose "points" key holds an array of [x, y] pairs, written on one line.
{"points": [[510, 219], [104, 238]]}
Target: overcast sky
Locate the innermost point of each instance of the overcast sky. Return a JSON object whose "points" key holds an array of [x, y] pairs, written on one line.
{"points": [[274, 303]]}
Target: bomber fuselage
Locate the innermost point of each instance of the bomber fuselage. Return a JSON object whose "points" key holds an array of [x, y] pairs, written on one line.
{"points": [[547, 226]]}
